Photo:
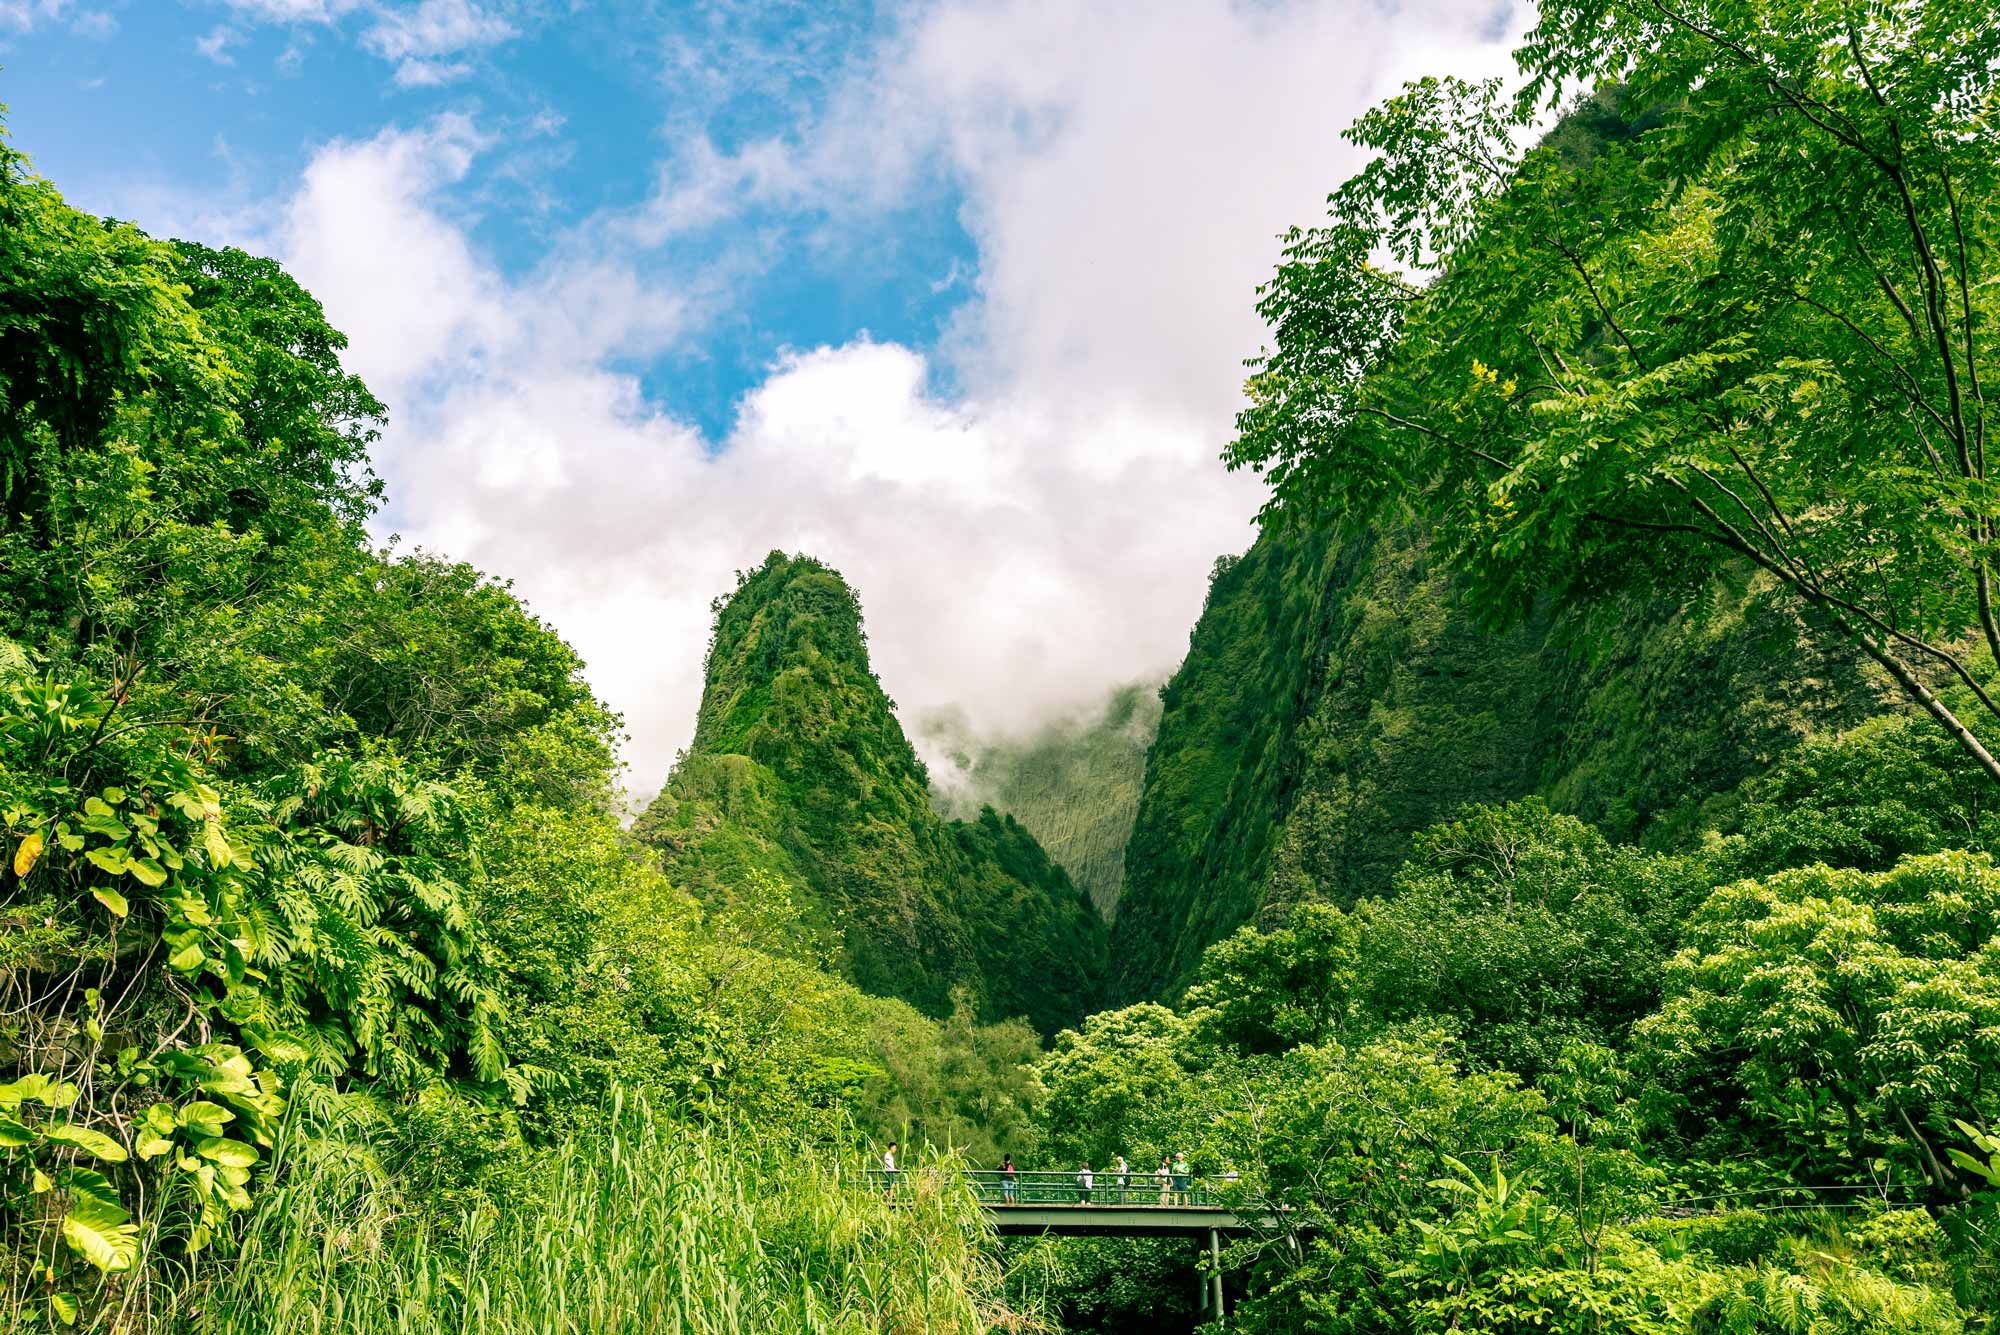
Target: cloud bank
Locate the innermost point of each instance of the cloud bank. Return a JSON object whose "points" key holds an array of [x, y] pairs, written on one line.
{"points": [[1021, 541]]}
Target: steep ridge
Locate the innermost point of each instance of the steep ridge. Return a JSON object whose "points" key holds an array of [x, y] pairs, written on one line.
{"points": [[799, 771], [1074, 781], [1336, 698]]}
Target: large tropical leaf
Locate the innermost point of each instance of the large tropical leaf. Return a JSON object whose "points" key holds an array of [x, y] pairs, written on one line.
{"points": [[97, 1227], [94, 1143]]}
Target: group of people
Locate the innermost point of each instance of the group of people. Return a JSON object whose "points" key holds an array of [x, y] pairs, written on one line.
{"points": [[1171, 1181]]}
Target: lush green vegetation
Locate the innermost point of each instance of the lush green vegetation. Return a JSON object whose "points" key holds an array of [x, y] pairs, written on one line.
{"points": [[1733, 319], [800, 775], [1339, 697], [1073, 782], [1554, 1083], [325, 962], [1658, 497], [644, 1226], [1563, 881]]}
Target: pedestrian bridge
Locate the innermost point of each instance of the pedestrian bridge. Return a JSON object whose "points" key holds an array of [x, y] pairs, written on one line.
{"points": [[1137, 1206]]}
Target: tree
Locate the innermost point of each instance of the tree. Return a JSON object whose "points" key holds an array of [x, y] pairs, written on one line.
{"points": [[1266, 992], [1834, 1023], [1729, 319], [1117, 1086], [1526, 927]]}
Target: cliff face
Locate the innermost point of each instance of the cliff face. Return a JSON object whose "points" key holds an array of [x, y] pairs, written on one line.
{"points": [[1073, 781], [799, 772], [1336, 698]]}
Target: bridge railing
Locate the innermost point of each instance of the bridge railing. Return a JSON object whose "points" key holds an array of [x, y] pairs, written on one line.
{"points": [[1124, 1190]]}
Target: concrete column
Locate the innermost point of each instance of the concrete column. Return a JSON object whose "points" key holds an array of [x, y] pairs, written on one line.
{"points": [[1215, 1259]]}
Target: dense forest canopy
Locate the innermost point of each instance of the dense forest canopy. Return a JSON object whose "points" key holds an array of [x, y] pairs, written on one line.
{"points": [[1559, 894]]}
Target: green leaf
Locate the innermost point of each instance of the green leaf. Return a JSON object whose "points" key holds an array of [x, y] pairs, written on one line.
{"points": [[114, 795], [88, 1184], [94, 1143], [37, 1088], [148, 872], [219, 853], [101, 1234], [205, 1119], [1987, 1172], [229, 1153], [13, 1135], [281, 1048], [186, 960], [111, 859], [106, 826], [112, 900], [63, 1306]]}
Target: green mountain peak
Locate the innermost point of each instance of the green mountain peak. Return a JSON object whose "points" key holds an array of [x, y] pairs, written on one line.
{"points": [[800, 772]]}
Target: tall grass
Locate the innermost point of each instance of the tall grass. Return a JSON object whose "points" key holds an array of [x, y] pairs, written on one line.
{"points": [[646, 1227]]}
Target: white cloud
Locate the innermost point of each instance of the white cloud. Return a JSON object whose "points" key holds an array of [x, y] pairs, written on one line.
{"points": [[434, 28], [1019, 545], [420, 40], [216, 42], [431, 73], [404, 280], [24, 15], [294, 11], [99, 25]]}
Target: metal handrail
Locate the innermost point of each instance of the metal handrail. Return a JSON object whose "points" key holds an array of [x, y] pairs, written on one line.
{"points": [[1132, 1190]]}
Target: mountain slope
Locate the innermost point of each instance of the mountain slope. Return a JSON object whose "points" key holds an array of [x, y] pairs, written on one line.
{"points": [[1337, 697], [1074, 782], [800, 772]]}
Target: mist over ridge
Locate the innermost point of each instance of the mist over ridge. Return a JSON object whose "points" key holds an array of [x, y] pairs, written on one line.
{"points": [[1073, 780]]}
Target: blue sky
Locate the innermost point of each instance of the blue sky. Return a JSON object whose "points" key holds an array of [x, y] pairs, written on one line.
{"points": [[225, 99], [953, 294]]}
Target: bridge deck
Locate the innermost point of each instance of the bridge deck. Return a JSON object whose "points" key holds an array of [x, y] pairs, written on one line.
{"points": [[1124, 1221]]}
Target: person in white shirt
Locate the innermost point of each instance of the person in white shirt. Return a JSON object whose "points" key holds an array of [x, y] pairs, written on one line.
{"points": [[889, 1173], [1083, 1181], [1124, 1179]]}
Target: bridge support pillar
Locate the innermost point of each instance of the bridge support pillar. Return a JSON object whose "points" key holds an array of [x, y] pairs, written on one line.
{"points": [[1215, 1263]]}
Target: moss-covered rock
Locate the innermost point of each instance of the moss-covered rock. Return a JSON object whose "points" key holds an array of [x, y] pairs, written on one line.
{"points": [[1337, 697]]}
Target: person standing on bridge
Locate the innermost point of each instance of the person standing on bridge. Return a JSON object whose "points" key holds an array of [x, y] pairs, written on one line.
{"points": [[1181, 1196], [1124, 1179], [1009, 1180], [1165, 1174], [889, 1173], [1083, 1181]]}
